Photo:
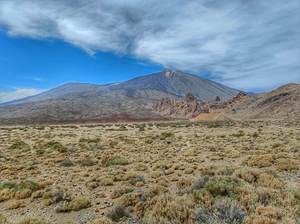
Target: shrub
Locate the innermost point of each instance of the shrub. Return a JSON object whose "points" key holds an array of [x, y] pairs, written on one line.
{"points": [[32, 221], [169, 209], [67, 163], [17, 204], [54, 195], [102, 220], [222, 186], [25, 193], [3, 219], [200, 183], [40, 151], [262, 160], [106, 182], [137, 179], [87, 162], [30, 185], [224, 211], [79, 203], [141, 167], [8, 185], [250, 175], [266, 214], [19, 145], [130, 199], [124, 189], [55, 146], [6, 194], [167, 134], [117, 212], [286, 165], [117, 161]]}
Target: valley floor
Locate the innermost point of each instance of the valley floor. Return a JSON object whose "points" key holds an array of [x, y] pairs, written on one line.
{"points": [[172, 172]]}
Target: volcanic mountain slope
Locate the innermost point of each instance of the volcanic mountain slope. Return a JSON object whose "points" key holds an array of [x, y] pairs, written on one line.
{"points": [[168, 82], [282, 103], [133, 99]]}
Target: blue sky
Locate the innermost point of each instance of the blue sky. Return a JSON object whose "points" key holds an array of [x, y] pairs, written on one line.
{"points": [[250, 45]]}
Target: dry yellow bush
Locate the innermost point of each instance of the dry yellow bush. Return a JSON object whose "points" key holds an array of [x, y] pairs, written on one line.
{"points": [[25, 193], [139, 184], [169, 209], [3, 219], [106, 182], [268, 214], [156, 174], [141, 167], [103, 220], [264, 160], [6, 194], [188, 170], [231, 152], [17, 204], [79, 203], [286, 165], [37, 194], [248, 174], [183, 183], [270, 180], [123, 189], [130, 199]]}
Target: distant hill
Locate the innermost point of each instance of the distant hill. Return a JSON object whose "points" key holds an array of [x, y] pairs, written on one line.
{"points": [[130, 100], [282, 103]]}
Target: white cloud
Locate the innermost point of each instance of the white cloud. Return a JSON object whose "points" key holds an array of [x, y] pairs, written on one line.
{"points": [[18, 94], [244, 44]]}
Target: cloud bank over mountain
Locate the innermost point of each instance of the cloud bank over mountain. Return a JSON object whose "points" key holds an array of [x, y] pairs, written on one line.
{"points": [[17, 94], [243, 44]]}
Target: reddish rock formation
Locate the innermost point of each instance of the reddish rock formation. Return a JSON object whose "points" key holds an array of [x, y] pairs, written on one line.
{"points": [[187, 108]]}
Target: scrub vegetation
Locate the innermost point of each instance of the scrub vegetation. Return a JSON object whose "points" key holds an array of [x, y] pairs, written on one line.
{"points": [[172, 172]]}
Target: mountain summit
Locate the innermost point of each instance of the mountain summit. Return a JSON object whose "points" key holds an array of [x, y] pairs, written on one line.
{"points": [[132, 99]]}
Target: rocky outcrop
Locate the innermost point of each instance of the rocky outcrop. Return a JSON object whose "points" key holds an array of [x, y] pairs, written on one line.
{"points": [[187, 108], [237, 99]]}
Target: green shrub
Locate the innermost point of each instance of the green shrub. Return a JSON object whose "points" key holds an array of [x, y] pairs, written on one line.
{"points": [[40, 151], [55, 146], [222, 186], [19, 145], [8, 185], [30, 185], [167, 134], [117, 161]]}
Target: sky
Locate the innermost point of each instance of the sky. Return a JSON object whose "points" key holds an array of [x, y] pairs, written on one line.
{"points": [[249, 45]]}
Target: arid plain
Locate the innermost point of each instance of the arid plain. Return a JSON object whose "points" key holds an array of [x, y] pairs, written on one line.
{"points": [[169, 172]]}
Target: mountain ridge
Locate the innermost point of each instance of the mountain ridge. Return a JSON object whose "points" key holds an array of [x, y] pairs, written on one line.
{"points": [[136, 100], [169, 82]]}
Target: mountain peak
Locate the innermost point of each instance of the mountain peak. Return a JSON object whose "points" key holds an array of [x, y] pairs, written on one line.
{"points": [[168, 72]]}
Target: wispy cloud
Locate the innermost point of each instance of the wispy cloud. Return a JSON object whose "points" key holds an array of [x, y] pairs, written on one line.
{"points": [[34, 78], [245, 44], [17, 94]]}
